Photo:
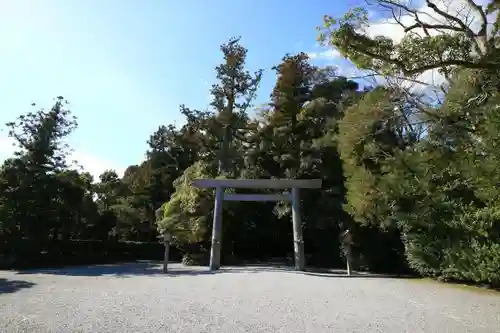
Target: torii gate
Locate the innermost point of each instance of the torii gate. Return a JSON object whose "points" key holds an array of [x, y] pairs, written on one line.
{"points": [[221, 184]]}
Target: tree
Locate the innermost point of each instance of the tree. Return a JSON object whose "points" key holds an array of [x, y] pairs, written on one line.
{"points": [[39, 136], [205, 133], [232, 96], [291, 92], [371, 136], [35, 191], [109, 188], [187, 214], [451, 227], [441, 35]]}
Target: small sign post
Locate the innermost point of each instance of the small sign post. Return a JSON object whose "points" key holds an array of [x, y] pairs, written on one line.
{"points": [[166, 241], [347, 244]]}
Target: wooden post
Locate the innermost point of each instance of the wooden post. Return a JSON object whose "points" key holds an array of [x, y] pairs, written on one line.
{"points": [[217, 230], [166, 241], [348, 261], [298, 245], [347, 243]]}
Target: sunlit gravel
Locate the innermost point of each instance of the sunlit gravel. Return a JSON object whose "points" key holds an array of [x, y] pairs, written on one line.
{"points": [[140, 298]]}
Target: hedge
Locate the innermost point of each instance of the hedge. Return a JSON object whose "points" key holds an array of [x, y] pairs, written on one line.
{"points": [[28, 254]]}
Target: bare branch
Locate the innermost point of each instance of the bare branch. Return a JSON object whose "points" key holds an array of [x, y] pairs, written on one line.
{"points": [[465, 28], [396, 19], [398, 5], [426, 31], [392, 76], [455, 23], [482, 13]]}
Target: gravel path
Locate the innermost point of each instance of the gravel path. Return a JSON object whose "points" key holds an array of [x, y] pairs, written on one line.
{"points": [[138, 298]]}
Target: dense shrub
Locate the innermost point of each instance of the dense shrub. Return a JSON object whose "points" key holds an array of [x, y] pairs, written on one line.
{"points": [[379, 251], [79, 252], [467, 248], [196, 259]]}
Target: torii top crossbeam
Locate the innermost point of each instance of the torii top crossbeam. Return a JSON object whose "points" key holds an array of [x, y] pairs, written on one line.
{"points": [[257, 183]]}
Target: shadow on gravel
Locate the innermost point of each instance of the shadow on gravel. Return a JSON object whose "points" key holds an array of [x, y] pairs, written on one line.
{"points": [[11, 286], [249, 269], [356, 275], [178, 270], [330, 273], [130, 270], [123, 270]]}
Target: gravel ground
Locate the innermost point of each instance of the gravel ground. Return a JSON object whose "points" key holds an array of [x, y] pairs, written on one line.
{"points": [[139, 298]]}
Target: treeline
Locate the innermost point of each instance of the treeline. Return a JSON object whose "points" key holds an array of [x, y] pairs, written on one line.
{"points": [[414, 178]]}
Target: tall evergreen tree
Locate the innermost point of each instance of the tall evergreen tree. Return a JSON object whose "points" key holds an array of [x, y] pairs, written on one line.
{"points": [[232, 96]]}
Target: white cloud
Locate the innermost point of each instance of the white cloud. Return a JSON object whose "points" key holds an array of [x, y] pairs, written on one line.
{"points": [[331, 54], [93, 164], [350, 71], [90, 163]]}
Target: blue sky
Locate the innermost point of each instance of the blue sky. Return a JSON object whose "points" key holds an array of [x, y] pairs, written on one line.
{"points": [[126, 65]]}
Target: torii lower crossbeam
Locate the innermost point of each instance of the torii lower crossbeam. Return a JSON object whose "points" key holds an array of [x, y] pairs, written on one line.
{"points": [[294, 197]]}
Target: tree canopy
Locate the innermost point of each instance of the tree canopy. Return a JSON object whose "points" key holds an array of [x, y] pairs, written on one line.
{"points": [[435, 35]]}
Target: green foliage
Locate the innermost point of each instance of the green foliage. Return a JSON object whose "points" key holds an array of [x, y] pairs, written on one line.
{"points": [[444, 42], [41, 200], [429, 171], [83, 252], [187, 215], [40, 135], [232, 96], [372, 134], [453, 232], [440, 191]]}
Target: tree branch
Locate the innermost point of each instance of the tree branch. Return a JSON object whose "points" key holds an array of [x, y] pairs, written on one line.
{"points": [[426, 31], [482, 13], [449, 17], [462, 26], [466, 29], [392, 76], [446, 63], [423, 25], [399, 5], [396, 19], [421, 69]]}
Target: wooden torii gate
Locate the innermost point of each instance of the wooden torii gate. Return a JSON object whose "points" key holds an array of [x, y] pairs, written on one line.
{"points": [[221, 184]]}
